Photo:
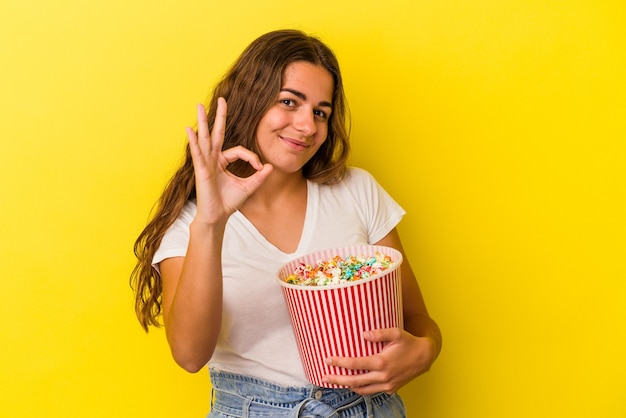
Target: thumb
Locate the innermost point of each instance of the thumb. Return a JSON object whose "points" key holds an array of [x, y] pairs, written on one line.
{"points": [[254, 181]]}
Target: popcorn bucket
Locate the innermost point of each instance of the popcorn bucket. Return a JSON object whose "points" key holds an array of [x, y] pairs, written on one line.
{"points": [[330, 320]]}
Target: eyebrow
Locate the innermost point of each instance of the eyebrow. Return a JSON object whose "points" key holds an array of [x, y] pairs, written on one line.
{"points": [[303, 97]]}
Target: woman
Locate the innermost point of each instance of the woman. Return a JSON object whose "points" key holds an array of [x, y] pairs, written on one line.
{"points": [[262, 183]]}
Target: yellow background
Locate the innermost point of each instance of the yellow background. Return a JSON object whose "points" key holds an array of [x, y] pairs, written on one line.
{"points": [[498, 125]]}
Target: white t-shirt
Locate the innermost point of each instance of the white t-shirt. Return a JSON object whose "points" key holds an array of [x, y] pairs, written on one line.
{"points": [[256, 337]]}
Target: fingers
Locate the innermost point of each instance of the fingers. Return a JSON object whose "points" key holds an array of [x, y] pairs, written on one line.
{"points": [[383, 334], [219, 127], [373, 378], [371, 364], [208, 157], [204, 142], [203, 136], [195, 149], [364, 383], [354, 363], [241, 153], [368, 362], [196, 140], [210, 141], [382, 369], [250, 183], [203, 125]]}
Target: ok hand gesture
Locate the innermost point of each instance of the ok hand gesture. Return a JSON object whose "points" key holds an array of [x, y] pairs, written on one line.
{"points": [[219, 193]]}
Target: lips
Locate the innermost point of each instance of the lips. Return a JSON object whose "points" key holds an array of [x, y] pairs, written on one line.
{"points": [[294, 143]]}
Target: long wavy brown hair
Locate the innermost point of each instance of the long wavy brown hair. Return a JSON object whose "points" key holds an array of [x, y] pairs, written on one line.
{"points": [[250, 88]]}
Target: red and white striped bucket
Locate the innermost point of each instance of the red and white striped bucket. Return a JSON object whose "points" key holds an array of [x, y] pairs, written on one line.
{"points": [[330, 320]]}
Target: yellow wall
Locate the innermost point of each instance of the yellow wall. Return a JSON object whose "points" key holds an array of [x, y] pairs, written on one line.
{"points": [[498, 125]]}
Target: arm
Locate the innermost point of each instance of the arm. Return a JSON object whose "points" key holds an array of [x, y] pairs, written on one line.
{"points": [[408, 353], [192, 285], [192, 298], [417, 321]]}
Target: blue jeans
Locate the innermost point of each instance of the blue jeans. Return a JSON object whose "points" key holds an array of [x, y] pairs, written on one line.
{"points": [[236, 395]]}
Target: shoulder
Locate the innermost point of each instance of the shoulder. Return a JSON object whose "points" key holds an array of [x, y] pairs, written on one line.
{"points": [[189, 210], [359, 179], [186, 216], [358, 175], [356, 182]]}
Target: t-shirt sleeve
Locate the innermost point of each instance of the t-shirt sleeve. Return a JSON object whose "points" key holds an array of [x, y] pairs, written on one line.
{"points": [[176, 238], [381, 212]]}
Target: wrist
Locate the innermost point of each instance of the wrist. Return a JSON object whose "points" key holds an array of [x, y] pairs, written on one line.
{"points": [[198, 228]]}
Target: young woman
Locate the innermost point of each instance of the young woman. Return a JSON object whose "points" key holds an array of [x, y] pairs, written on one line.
{"points": [[264, 181]]}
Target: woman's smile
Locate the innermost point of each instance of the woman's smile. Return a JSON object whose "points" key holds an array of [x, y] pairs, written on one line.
{"points": [[294, 143]]}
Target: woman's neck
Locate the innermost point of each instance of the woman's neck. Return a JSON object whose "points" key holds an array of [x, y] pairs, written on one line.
{"points": [[278, 189], [278, 210]]}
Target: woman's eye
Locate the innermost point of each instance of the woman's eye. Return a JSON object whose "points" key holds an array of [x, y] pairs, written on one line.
{"points": [[320, 114], [288, 102]]}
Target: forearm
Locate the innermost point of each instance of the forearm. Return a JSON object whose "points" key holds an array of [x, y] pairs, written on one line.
{"points": [[194, 317], [422, 325]]}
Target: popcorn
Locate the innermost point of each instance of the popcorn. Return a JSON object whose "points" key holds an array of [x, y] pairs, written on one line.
{"points": [[339, 270]]}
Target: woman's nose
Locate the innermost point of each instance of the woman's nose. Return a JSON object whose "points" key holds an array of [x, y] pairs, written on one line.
{"points": [[305, 122]]}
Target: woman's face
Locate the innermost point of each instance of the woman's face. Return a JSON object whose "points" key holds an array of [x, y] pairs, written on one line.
{"points": [[294, 128]]}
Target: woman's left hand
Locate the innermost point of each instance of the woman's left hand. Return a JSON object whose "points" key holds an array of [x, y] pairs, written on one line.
{"points": [[403, 358]]}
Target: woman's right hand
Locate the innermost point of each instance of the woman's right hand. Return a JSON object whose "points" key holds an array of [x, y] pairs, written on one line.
{"points": [[220, 193]]}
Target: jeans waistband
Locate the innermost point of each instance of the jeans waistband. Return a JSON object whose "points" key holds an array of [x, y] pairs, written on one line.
{"points": [[246, 396]]}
